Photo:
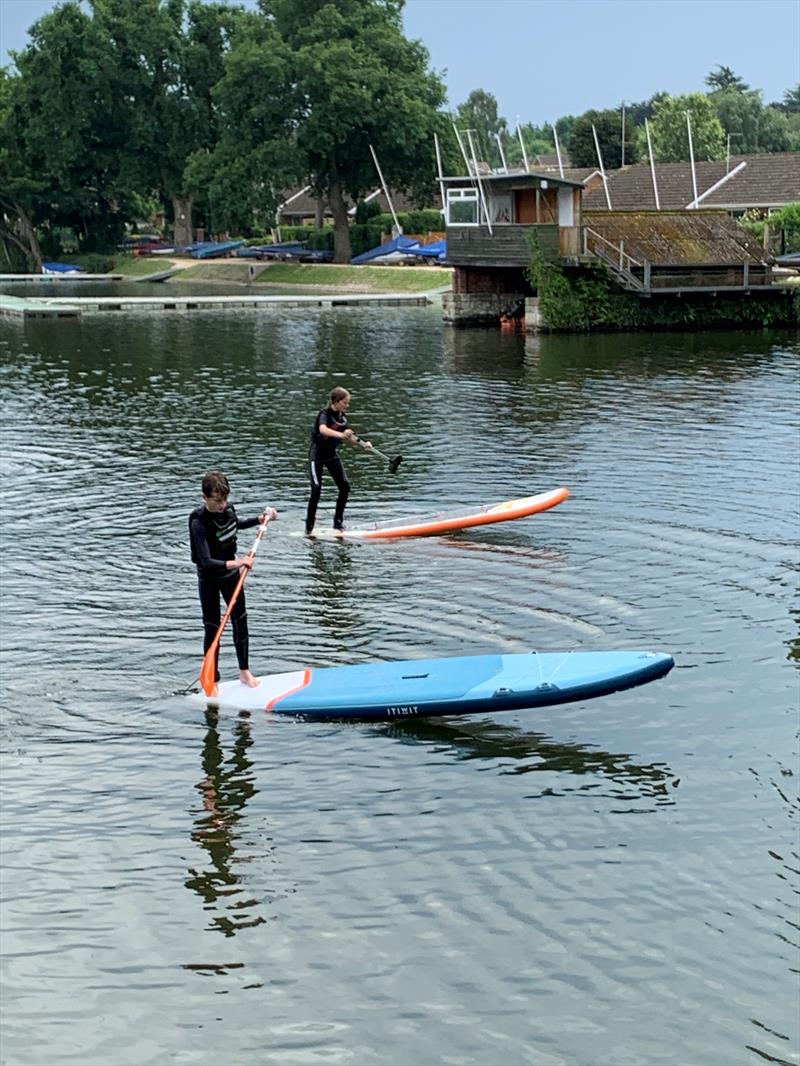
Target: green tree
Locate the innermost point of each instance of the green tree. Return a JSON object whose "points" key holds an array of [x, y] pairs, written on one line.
{"points": [[62, 130], [479, 114], [256, 155], [20, 190], [723, 79], [168, 55], [110, 104], [608, 124], [752, 127], [791, 101], [786, 222], [538, 140], [359, 82], [669, 131]]}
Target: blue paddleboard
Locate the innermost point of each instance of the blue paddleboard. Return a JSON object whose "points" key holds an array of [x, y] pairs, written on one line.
{"points": [[467, 684]]}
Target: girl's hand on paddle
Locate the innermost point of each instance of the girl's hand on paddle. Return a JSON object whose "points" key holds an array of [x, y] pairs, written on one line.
{"points": [[348, 434], [268, 513], [367, 444]]}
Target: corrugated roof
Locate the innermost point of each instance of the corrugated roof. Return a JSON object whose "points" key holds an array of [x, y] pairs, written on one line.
{"points": [[767, 180], [677, 238]]}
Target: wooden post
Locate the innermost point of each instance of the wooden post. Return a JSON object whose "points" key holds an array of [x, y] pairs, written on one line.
{"points": [[647, 275], [746, 275]]}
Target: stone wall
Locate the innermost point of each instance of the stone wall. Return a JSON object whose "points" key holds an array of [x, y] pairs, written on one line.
{"points": [[476, 308]]}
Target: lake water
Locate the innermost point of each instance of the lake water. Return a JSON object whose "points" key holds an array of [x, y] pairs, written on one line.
{"points": [[610, 882]]}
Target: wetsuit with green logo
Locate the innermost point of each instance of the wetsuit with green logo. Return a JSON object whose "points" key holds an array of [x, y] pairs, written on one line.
{"points": [[213, 541]]}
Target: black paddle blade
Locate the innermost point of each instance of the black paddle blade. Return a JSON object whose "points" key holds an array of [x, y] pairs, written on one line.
{"points": [[394, 463]]}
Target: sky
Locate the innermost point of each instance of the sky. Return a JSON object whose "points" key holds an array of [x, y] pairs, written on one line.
{"points": [[542, 59]]}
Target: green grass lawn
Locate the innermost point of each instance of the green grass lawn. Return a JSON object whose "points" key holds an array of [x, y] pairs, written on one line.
{"points": [[233, 271], [358, 278], [329, 277], [138, 266]]}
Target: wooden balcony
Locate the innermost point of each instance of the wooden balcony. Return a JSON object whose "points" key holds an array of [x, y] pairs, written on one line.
{"points": [[506, 246]]}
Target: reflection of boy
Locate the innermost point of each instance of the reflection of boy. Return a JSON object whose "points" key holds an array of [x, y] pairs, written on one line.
{"points": [[212, 532]]}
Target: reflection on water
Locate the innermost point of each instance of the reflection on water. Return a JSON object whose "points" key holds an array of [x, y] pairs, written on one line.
{"points": [[533, 752], [225, 788], [469, 885], [793, 644]]}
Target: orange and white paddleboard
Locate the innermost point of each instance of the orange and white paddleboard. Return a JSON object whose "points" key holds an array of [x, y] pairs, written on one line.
{"points": [[451, 522]]}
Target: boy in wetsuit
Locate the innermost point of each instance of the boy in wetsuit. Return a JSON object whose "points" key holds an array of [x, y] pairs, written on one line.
{"points": [[330, 429], [212, 532]]}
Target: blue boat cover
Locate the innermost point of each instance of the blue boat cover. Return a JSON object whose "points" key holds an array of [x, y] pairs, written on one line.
{"points": [[396, 244], [61, 268], [284, 250], [210, 249], [437, 251]]}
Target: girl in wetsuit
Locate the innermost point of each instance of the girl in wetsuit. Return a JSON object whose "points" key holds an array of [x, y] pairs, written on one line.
{"points": [[330, 429]]}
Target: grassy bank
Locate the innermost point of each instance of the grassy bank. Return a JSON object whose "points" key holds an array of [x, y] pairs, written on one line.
{"points": [[358, 278], [130, 265], [232, 271], [139, 266], [328, 277]]}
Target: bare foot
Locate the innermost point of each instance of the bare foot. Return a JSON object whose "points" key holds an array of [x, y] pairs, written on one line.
{"points": [[247, 678]]}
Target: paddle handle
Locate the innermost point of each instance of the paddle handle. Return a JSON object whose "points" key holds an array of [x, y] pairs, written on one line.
{"points": [[208, 672], [371, 448]]}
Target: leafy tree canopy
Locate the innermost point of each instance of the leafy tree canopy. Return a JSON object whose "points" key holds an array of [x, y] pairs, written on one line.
{"points": [[670, 134], [479, 114], [256, 156], [63, 126], [608, 124], [357, 81], [723, 79], [751, 126]]}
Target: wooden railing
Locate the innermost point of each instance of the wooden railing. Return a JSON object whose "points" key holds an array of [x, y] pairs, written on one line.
{"points": [[606, 249]]}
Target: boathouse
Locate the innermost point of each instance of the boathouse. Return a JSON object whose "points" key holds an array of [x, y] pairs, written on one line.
{"points": [[490, 217]]}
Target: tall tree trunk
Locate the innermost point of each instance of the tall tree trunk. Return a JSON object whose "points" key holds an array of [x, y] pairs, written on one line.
{"points": [[182, 209], [20, 231], [342, 249]]}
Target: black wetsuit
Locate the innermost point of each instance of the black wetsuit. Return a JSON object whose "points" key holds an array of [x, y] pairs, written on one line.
{"points": [[322, 456], [213, 540]]}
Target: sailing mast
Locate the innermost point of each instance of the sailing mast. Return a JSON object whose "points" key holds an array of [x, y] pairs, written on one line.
{"points": [[397, 225]]}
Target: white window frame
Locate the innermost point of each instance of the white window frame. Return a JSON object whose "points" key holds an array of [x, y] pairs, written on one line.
{"points": [[463, 196]]}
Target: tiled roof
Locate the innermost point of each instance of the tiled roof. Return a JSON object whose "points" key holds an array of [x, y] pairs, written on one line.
{"points": [[570, 173], [677, 238], [550, 159], [766, 180]]}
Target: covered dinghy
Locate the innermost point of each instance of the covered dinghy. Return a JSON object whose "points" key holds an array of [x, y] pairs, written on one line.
{"points": [[394, 251], [436, 252]]}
